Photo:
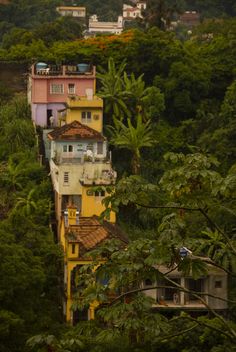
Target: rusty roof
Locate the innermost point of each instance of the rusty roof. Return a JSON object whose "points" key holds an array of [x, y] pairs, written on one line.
{"points": [[74, 131], [91, 232]]}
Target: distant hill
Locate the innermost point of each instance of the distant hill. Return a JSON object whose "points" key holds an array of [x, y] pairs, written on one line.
{"points": [[110, 9]]}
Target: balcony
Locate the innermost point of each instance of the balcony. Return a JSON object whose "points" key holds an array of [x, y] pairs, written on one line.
{"points": [[81, 158], [103, 177], [75, 102], [61, 71]]}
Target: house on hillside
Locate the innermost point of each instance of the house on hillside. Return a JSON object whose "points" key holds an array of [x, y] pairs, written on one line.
{"points": [[97, 27], [133, 12], [189, 19], [171, 299], [77, 12], [87, 110], [79, 161], [49, 86], [78, 236]]}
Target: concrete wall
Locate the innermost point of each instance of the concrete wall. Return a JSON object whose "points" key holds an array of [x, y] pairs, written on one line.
{"points": [[79, 150], [215, 283], [39, 113]]}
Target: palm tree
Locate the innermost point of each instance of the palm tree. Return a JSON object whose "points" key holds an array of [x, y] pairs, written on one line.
{"points": [[113, 90], [27, 203], [133, 138]]}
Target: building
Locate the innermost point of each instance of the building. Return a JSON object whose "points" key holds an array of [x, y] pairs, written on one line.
{"points": [[79, 161], [97, 27], [172, 299], [87, 110], [77, 12], [133, 12], [78, 236], [189, 19], [50, 85]]}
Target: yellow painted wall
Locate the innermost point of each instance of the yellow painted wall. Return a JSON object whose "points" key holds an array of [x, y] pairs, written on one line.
{"points": [[92, 205], [70, 253], [96, 121], [70, 266]]}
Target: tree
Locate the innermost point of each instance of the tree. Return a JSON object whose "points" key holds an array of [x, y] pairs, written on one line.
{"points": [[193, 190], [112, 90], [133, 138], [160, 12], [30, 260]]}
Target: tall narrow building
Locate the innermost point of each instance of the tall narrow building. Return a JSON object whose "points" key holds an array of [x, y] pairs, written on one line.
{"points": [[64, 104]]}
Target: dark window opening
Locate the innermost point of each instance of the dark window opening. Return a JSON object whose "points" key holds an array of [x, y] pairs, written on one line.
{"points": [[49, 114], [171, 292], [218, 284], [195, 286], [148, 282], [100, 193]]}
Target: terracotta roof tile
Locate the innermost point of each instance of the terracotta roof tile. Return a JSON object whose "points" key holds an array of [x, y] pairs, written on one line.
{"points": [[90, 232], [74, 131]]}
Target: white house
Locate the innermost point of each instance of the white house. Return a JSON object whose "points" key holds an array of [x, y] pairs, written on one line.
{"points": [[96, 27], [78, 12], [133, 12]]}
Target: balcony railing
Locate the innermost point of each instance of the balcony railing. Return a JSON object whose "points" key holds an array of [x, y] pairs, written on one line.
{"points": [[106, 177], [70, 158], [62, 70]]}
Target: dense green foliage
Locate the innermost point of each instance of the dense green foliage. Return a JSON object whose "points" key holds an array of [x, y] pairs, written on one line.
{"points": [[170, 104], [30, 261]]}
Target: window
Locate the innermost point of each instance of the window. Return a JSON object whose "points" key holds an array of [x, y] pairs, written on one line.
{"points": [[218, 284], [67, 148], [80, 147], [66, 177], [99, 147], [90, 147], [169, 294], [195, 286], [100, 193], [71, 88], [56, 88], [73, 248], [86, 116]]}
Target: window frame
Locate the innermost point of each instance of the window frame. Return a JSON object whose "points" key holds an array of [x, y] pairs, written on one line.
{"points": [[69, 88], [53, 89], [66, 178], [86, 116]]}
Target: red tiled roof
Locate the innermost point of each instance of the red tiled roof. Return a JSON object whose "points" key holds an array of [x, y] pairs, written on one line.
{"points": [[74, 131], [90, 232]]}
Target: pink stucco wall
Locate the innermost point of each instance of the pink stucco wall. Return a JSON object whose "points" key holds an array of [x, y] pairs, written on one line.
{"points": [[41, 88]]}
